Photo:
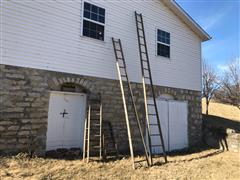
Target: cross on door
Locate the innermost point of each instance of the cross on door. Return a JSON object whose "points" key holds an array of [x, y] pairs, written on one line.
{"points": [[64, 112]]}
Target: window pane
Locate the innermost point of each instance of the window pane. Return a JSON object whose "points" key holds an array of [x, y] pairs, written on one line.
{"points": [[87, 14], [163, 50], [163, 36], [86, 24], [101, 19], [102, 11], [86, 32], [94, 9], [87, 6], [94, 13], [93, 30]]}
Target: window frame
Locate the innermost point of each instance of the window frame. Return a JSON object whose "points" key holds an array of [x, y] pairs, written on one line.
{"points": [[96, 22], [159, 42]]}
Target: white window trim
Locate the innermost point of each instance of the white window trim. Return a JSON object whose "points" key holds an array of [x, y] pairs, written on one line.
{"points": [[90, 20], [159, 42]]}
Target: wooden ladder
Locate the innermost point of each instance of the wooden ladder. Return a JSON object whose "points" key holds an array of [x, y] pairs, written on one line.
{"points": [[109, 144], [147, 78], [123, 76], [93, 137]]}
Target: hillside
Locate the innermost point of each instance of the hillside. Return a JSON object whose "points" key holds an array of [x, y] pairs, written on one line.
{"points": [[222, 110]]}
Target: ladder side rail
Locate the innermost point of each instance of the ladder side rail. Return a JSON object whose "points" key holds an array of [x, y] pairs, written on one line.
{"points": [[124, 104], [84, 138], [88, 140], [113, 138], [100, 146], [135, 110], [153, 92], [144, 90]]}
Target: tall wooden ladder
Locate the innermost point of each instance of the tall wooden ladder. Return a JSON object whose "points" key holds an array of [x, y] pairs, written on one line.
{"points": [[147, 78], [125, 90], [93, 137]]}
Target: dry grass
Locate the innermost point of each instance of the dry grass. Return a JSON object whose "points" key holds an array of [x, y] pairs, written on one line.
{"points": [[208, 164], [222, 110]]}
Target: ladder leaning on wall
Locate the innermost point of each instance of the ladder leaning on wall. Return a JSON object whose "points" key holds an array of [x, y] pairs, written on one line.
{"points": [[93, 135], [125, 90], [147, 78]]}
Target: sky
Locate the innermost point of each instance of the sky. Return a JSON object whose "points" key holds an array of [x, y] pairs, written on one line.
{"points": [[221, 20]]}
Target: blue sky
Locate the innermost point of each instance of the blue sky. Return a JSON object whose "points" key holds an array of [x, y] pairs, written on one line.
{"points": [[221, 19]]}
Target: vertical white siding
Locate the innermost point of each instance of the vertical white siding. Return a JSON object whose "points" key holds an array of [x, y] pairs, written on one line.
{"points": [[47, 35]]}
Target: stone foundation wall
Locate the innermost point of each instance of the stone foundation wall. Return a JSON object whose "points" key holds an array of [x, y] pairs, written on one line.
{"points": [[24, 98], [225, 140]]}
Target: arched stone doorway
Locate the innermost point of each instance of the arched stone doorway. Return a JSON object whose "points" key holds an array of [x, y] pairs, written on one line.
{"points": [[66, 115]]}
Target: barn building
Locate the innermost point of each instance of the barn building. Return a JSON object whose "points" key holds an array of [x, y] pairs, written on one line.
{"points": [[55, 54]]}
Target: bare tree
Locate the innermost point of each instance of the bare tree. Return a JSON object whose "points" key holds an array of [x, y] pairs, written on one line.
{"points": [[231, 84], [210, 83]]}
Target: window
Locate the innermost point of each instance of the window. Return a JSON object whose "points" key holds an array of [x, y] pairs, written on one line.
{"points": [[93, 21], [163, 43]]}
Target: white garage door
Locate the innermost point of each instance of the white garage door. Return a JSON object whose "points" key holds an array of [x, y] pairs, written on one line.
{"points": [[66, 120], [173, 118]]}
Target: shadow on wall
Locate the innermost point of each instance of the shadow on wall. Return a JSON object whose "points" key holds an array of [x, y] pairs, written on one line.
{"points": [[221, 133]]}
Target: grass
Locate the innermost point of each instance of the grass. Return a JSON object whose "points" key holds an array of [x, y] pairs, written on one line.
{"points": [[222, 110], [207, 164]]}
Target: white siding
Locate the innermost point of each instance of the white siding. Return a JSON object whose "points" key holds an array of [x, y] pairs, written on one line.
{"points": [[47, 35]]}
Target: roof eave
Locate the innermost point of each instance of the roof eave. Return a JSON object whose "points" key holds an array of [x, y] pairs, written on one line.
{"points": [[186, 18]]}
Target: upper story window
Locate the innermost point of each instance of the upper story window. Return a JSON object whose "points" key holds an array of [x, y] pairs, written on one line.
{"points": [[93, 21], [163, 43]]}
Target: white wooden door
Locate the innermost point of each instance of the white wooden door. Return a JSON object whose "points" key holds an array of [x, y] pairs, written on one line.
{"points": [[173, 118], [163, 115], [178, 125], [66, 120]]}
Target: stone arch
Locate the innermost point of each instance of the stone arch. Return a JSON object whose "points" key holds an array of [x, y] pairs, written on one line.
{"points": [[80, 84]]}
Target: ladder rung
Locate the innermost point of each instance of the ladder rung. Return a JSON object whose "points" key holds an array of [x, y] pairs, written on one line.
{"points": [[123, 75], [144, 52], [93, 109], [156, 145], [154, 134], [120, 58], [152, 114], [144, 60], [142, 44], [123, 67], [115, 41], [150, 104], [96, 146], [98, 135], [145, 68], [146, 77], [118, 50], [97, 114], [139, 161], [153, 124], [96, 124]]}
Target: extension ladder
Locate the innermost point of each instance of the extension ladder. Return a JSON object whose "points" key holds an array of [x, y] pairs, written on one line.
{"points": [[147, 78], [123, 76]]}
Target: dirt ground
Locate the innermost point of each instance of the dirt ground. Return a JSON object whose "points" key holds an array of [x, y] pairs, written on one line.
{"points": [[207, 164]]}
